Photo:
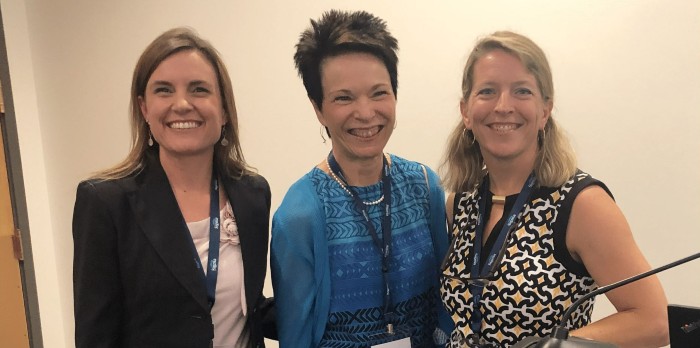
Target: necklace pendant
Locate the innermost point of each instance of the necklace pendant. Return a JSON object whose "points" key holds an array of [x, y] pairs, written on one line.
{"points": [[495, 199]]}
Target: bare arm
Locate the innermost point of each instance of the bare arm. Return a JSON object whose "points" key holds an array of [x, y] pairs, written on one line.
{"points": [[599, 235]]}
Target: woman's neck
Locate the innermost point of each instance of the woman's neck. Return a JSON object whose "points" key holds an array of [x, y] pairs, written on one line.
{"points": [[188, 173], [364, 172], [508, 177]]}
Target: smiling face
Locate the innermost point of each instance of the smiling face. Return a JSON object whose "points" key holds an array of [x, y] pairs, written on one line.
{"points": [[505, 108], [182, 105], [359, 106]]}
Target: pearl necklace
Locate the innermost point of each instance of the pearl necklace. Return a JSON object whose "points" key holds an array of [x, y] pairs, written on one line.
{"points": [[342, 185]]}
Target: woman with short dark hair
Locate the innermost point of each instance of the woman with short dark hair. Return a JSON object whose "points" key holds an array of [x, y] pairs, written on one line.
{"points": [[357, 241]]}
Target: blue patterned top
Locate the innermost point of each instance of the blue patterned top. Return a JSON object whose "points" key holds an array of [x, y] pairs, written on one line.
{"points": [[345, 303]]}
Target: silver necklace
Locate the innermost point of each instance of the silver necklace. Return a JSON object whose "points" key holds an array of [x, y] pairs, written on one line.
{"points": [[342, 185]]}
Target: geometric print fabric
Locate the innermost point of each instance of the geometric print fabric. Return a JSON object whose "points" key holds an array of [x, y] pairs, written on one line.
{"points": [[533, 286]]}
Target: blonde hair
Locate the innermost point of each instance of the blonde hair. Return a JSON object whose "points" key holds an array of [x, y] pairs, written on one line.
{"points": [[463, 165], [228, 159]]}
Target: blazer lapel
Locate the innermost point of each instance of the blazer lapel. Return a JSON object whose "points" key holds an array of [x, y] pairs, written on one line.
{"points": [[252, 234], [159, 216]]}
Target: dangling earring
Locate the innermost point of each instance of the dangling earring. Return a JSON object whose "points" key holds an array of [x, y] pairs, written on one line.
{"points": [[541, 136], [224, 141], [150, 135], [320, 131]]}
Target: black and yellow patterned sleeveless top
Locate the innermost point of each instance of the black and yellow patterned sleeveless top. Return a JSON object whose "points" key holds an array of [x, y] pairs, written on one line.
{"points": [[537, 279]]}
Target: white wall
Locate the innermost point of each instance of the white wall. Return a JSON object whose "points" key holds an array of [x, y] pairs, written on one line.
{"points": [[53, 283], [626, 78]]}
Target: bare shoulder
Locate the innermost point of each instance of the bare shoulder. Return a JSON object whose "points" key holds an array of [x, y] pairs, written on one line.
{"points": [[599, 236], [595, 222]]}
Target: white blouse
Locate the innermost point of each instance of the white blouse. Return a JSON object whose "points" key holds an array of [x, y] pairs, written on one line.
{"points": [[229, 311]]}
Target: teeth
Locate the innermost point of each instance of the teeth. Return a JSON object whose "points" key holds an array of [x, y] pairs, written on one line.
{"points": [[365, 132], [504, 127], [184, 125]]}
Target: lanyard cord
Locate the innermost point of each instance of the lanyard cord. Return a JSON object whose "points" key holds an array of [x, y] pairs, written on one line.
{"points": [[214, 236], [481, 271], [384, 245]]}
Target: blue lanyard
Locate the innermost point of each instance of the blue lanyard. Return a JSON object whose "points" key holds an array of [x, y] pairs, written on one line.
{"points": [[477, 289], [384, 245], [214, 235]]}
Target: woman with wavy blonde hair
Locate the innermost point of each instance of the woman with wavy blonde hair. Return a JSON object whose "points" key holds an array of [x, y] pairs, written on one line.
{"points": [[531, 233]]}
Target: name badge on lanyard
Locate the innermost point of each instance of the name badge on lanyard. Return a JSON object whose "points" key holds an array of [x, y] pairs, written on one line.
{"points": [[402, 343]]}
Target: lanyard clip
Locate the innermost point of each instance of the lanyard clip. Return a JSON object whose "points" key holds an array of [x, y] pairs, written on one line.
{"points": [[390, 329]]}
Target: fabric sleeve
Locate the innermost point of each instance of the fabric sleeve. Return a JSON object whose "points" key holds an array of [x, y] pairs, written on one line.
{"points": [[301, 283], [438, 228], [98, 298]]}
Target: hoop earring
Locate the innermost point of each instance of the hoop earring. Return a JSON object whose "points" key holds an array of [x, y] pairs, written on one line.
{"points": [[541, 137], [224, 141], [465, 134], [320, 131]]}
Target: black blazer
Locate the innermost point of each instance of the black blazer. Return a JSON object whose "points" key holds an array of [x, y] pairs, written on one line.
{"points": [[135, 283]]}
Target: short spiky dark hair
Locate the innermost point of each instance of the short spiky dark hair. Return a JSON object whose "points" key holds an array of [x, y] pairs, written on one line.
{"points": [[340, 32]]}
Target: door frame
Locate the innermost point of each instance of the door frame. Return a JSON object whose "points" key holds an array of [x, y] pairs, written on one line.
{"points": [[18, 199]]}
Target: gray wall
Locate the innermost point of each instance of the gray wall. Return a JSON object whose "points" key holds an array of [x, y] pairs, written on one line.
{"points": [[627, 77]]}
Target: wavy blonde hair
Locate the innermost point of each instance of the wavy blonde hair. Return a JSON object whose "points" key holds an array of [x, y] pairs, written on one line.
{"points": [[228, 159], [463, 167]]}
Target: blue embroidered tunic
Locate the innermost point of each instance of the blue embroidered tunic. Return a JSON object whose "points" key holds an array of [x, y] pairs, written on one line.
{"points": [[327, 271]]}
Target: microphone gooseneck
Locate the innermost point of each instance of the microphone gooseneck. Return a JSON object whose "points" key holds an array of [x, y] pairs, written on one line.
{"points": [[561, 332], [560, 335]]}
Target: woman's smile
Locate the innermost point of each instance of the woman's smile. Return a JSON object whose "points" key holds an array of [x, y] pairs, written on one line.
{"points": [[366, 132], [184, 124]]}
